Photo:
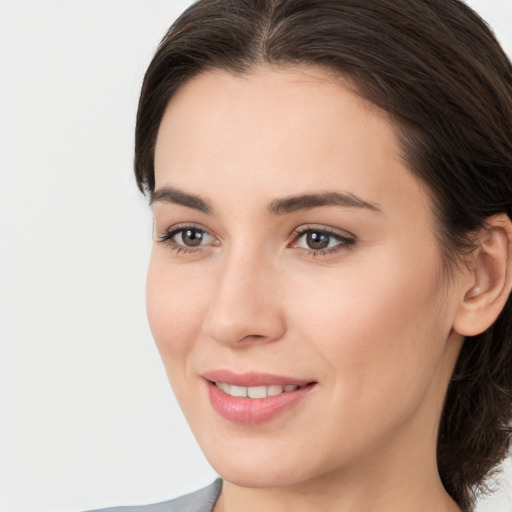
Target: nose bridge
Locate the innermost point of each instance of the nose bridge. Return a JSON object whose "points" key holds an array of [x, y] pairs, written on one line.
{"points": [[245, 305]]}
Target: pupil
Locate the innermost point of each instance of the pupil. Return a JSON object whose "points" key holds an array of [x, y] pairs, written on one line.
{"points": [[192, 237], [317, 241]]}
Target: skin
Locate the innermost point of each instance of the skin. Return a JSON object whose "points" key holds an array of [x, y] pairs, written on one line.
{"points": [[371, 321]]}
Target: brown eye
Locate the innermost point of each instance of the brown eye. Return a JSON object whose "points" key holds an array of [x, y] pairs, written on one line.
{"points": [[191, 237], [187, 239], [317, 240], [321, 242]]}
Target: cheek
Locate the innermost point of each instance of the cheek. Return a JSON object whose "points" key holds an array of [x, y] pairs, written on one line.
{"points": [[378, 322], [175, 304]]}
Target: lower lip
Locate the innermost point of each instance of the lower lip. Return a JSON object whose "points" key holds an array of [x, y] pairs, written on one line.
{"points": [[252, 411]]}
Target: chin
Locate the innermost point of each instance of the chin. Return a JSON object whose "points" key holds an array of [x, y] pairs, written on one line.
{"points": [[260, 464], [258, 477]]}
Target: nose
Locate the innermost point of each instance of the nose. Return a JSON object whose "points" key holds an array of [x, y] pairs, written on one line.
{"points": [[245, 306]]}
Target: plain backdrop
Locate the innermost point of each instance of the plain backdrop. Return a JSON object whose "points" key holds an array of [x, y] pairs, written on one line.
{"points": [[87, 418]]}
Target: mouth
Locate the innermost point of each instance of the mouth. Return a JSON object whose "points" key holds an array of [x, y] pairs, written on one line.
{"points": [[256, 391], [253, 398]]}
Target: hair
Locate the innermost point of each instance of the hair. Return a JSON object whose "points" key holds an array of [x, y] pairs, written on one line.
{"points": [[436, 68]]}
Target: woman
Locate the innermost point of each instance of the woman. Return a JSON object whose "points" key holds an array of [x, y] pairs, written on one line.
{"points": [[330, 280]]}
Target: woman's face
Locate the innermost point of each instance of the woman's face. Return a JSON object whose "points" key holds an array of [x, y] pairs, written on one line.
{"points": [[293, 248]]}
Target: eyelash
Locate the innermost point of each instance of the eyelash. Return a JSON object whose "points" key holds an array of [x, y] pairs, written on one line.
{"points": [[167, 239], [344, 242]]}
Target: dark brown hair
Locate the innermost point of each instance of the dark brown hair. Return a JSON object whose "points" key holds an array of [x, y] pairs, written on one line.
{"points": [[437, 69]]}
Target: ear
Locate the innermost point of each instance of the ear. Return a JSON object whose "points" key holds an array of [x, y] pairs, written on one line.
{"points": [[489, 278]]}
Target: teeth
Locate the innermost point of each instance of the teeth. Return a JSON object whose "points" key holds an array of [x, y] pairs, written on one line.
{"points": [[222, 385], [274, 390], [237, 391], [255, 391]]}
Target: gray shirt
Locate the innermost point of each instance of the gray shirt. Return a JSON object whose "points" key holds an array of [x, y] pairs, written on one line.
{"points": [[200, 501]]}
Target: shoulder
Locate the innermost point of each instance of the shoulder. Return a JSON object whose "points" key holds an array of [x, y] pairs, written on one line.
{"points": [[198, 501]]}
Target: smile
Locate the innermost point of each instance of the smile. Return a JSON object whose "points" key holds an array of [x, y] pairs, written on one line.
{"points": [[254, 398], [255, 391]]}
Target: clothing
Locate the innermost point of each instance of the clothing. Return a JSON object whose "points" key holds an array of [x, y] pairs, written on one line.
{"points": [[200, 501]]}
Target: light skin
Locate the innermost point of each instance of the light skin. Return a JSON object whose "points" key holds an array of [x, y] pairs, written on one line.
{"points": [[312, 254]]}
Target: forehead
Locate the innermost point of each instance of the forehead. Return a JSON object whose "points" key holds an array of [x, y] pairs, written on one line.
{"points": [[279, 131], [269, 95]]}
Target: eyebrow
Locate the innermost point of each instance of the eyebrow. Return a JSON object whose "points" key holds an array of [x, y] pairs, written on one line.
{"points": [[283, 206], [176, 196], [310, 201]]}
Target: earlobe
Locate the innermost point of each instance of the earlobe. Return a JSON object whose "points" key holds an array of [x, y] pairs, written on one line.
{"points": [[489, 281]]}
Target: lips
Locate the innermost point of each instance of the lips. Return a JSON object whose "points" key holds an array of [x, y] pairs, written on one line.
{"points": [[255, 391], [253, 398]]}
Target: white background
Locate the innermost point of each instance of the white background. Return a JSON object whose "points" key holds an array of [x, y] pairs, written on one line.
{"points": [[87, 418]]}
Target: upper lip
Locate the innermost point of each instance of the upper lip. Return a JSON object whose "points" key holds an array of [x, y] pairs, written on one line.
{"points": [[250, 379]]}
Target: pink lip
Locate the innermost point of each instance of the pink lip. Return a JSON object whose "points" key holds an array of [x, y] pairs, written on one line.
{"points": [[252, 411], [252, 378]]}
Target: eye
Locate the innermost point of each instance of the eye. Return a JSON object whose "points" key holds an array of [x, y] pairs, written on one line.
{"points": [[187, 238], [316, 240], [191, 237], [321, 241]]}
